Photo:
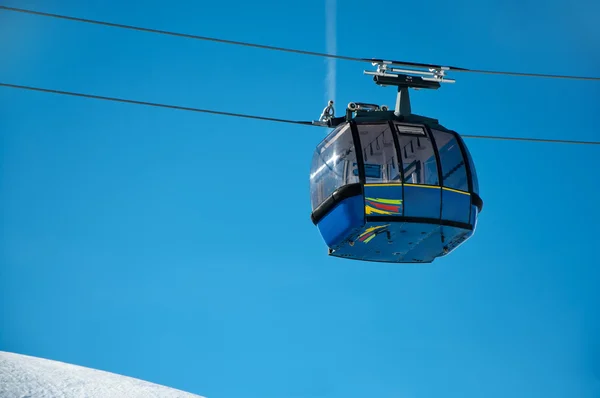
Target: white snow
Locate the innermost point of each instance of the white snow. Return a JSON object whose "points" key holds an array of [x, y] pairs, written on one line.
{"points": [[23, 376]]}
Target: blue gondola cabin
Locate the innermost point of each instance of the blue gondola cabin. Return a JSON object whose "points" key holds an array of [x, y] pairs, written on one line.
{"points": [[393, 189]]}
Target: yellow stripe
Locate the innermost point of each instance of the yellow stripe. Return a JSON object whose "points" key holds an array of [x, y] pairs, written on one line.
{"points": [[391, 184], [386, 201], [399, 184], [456, 190], [371, 210], [369, 238], [423, 186], [370, 229]]}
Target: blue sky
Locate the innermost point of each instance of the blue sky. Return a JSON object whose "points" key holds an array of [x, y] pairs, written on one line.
{"points": [[178, 248]]}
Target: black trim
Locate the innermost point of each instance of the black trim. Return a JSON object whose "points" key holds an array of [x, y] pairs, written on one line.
{"points": [[399, 160], [336, 121], [423, 220], [462, 145], [340, 194], [360, 161], [401, 80], [438, 163], [475, 198], [477, 201]]}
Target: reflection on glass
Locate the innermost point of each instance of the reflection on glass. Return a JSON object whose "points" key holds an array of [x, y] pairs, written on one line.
{"points": [[454, 172], [333, 165]]}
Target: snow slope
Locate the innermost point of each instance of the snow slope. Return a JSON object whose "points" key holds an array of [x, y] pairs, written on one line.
{"points": [[23, 376]]}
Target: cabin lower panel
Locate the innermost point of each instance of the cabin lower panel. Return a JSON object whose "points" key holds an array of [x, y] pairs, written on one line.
{"points": [[456, 206], [454, 237], [401, 242], [383, 200], [343, 221], [423, 201], [424, 242], [415, 239], [396, 242]]}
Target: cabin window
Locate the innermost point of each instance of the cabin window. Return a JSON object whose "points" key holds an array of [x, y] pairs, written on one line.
{"points": [[454, 172], [418, 157], [333, 165], [379, 153], [474, 179]]}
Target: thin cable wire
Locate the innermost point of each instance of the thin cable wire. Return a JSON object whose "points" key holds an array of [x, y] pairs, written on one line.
{"points": [[531, 139], [284, 49], [154, 104], [176, 34], [527, 74], [241, 115]]}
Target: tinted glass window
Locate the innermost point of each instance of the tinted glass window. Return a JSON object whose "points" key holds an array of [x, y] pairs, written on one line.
{"points": [[379, 153], [454, 172], [418, 158], [333, 165], [473, 171]]}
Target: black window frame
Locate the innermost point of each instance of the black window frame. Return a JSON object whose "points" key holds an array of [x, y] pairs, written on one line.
{"points": [[353, 189]]}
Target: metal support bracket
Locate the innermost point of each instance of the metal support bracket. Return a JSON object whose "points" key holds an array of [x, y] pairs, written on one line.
{"points": [[402, 102], [389, 73]]}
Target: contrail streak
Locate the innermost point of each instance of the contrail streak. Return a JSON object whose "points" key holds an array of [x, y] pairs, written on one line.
{"points": [[330, 23]]}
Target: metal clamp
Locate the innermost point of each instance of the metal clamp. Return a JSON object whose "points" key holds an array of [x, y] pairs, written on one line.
{"points": [[328, 112]]}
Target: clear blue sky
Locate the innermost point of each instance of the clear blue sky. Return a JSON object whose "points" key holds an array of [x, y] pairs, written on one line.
{"points": [[178, 248]]}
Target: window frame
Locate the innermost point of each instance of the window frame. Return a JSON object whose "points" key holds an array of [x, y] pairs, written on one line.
{"points": [[335, 135], [454, 136], [468, 162], [360, 150], [400, 154], [427, 133]]}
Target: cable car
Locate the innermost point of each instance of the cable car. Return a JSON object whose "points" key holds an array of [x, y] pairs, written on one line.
{"points": [[392, 186]]}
